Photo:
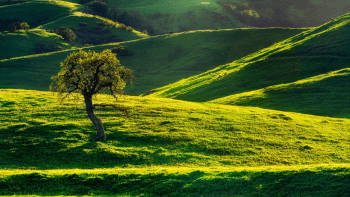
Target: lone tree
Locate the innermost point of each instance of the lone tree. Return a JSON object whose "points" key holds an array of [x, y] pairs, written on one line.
{"points": [[91, 73]]}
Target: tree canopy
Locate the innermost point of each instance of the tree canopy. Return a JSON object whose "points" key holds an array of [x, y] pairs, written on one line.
{"points": [[89, 73], [66, 33]]}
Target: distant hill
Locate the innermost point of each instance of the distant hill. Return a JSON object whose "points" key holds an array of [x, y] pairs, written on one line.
{"points": [[157, 61], [309, 54], [56, 14]]}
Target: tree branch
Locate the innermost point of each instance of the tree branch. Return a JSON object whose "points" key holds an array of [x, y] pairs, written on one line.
{"points": [[69, 92], [119, 108]]}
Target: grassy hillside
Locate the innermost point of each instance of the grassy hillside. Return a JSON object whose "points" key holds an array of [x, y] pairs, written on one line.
{"points": [[313, 180], [325, 94], [275, 123], [157, 61], [38, 134], [308, 54], [22, 43], [38, 12]]}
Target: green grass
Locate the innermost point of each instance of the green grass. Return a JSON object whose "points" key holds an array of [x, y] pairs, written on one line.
{"points": [[157, 61], [21, 44], [277, 125], [165, 134], [39, 11], [325, 94], [308, 54], [314, 180]]}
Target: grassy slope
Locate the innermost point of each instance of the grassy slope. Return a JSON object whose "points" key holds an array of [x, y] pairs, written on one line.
{"points": [[314, 180], [158, 60], [325, 94], [33, 11], [170, 147], [161, 134], [21, 43], [178, 14], [25, 42], [311, 53]]}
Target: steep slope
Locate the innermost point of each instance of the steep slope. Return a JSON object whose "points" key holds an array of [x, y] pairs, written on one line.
{"points": [[326, 94], [310, 53], [157, 61]]}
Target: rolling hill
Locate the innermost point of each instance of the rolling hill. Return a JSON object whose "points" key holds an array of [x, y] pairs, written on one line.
{"points": [[309, 54], [56, 14], [167, 148], [231, 112], [157, 61]]}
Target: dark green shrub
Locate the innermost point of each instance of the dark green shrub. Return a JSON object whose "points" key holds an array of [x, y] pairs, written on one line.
{"points": [[217, 28], [25, 26], [114, 12], [66, 33], [15, 26], [99, 8], [145, 32], [19, 25], [87, 11], [12, 27]]}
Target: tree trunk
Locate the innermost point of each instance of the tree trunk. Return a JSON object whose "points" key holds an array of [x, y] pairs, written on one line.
{"points": [[96, 121]]}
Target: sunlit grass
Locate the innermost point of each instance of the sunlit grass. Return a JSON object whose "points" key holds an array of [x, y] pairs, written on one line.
{"points": [[162, 132], [178, 148], [314, 180]]}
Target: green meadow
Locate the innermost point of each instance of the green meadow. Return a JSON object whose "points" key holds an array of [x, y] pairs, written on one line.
{"points": [[167, 147], [231, 112]]}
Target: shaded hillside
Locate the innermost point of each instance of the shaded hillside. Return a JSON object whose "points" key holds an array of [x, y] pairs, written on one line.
{"points": [[164, 16], [36, 13], [157, 61], [97, 30], [326, 95], [310, 53]]}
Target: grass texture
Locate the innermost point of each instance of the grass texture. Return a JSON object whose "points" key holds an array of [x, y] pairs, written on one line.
{"points": [[276, 125], [40, 136], [157, 61], [307, 67]]}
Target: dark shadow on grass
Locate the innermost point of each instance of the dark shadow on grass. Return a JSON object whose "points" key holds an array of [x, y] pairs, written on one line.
{"points": [[328, 182]]}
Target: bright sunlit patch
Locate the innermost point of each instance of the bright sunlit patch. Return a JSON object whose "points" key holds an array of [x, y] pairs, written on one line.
{"points": [[205, 3]]}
